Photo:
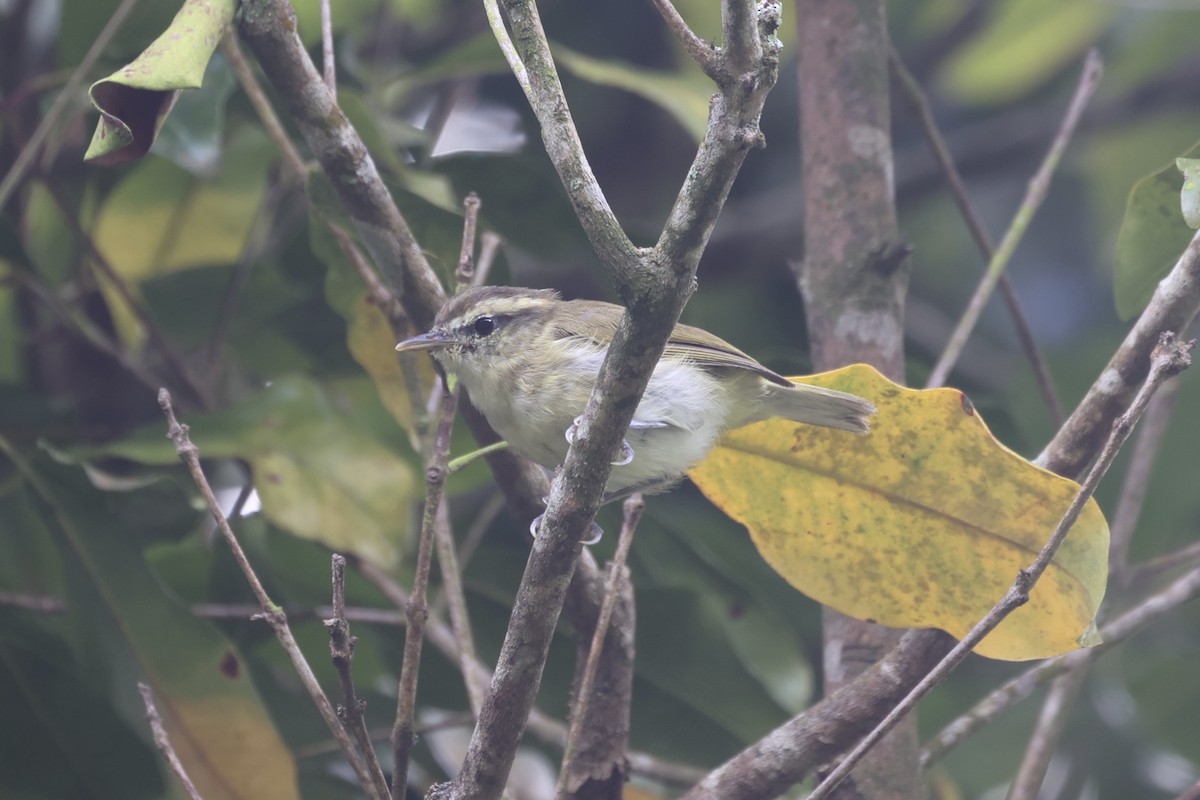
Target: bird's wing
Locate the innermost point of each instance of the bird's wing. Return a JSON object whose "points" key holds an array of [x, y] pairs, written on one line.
{"points": [[598, 321]]}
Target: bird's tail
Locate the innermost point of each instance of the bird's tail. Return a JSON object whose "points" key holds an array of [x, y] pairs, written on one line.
{"points": [[817, 406]]}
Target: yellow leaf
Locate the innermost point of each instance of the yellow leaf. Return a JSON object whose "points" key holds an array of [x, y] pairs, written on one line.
{"points": [[373, 345], [923, 523]]}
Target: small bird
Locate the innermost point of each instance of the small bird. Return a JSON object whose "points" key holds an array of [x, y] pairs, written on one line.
{"points": [[528, 359]]}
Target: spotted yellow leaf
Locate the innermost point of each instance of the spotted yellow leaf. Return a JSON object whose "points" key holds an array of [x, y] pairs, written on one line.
{"points": [[922, 523]]}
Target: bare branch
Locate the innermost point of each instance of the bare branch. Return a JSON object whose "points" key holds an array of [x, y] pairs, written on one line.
{"points": [[272, 613], [703, 53], [328, 64], [244, 611], [571, 777], [786, 755], [1137, 479], [163, 742], [958, 190], [417, 608], [1089, 80], [1046, 734], [1173, 307], [341, 650]]}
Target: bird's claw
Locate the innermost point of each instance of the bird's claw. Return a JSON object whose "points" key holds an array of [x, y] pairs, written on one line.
{"points": [[624, 458], [626, 455], [596, 531]]}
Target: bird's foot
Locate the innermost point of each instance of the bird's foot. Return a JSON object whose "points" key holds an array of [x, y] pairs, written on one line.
{"points": [[596, 531], [624, 458]]}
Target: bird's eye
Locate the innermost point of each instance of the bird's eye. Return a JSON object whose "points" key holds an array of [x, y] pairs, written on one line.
{"points": [[484, 325]]}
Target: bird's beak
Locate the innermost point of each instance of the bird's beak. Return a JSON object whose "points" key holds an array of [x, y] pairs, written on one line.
{"points": [[433, 340]]}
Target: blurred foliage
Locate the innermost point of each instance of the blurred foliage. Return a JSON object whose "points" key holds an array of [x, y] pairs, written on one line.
{"points": [[216, 243]]}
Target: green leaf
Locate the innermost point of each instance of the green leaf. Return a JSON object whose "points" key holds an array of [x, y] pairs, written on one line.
{"points": [[318, 474], [212, 712], [683, 95], [1153, 235], [1025, 44], [134, 100]]}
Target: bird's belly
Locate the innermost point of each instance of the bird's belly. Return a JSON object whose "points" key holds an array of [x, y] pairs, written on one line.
{"points": [[672, 429]]}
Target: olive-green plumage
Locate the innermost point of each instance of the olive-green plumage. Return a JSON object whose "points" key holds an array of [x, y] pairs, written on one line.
{"points": [[528, 360]]}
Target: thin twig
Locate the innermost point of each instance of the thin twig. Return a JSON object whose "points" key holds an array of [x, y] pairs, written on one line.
{"points": [[958, 190], [1151, 569], [1169, 358], [634, 506], [1147, 611], [163, 742], [1089, 80], [452, 585], [467, 459], [479, 526], [244, 611], [1052, 720], [38, 603], [456, 600], [464, 274], [262, 105], [329, 67], [403, 737], [50, 122], [500, 33], [341, 651], [1151, 434], [703, 53], [270, 612], [489, 246]]}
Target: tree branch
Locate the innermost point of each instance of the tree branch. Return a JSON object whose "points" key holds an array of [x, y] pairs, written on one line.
{"points": [[594, 756], [341, 651], [163, 742], [417, 608], [654, 285], [792, 751], [1173, 307]]}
